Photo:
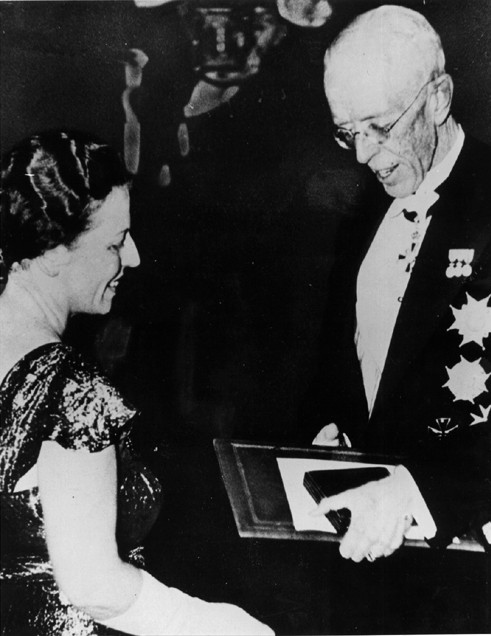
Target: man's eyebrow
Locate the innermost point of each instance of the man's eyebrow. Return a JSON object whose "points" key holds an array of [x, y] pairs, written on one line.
{"points": [[364, 119]]}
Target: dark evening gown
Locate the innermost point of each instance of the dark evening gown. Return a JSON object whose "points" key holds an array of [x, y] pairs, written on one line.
{"points": [[53, 394]]}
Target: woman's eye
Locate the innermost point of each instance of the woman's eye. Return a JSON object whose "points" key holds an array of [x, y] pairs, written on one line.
{"points": [[117, 247]]}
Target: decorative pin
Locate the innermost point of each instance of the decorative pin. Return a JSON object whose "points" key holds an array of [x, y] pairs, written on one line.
{"points": [[459, 263], [442, 427]]}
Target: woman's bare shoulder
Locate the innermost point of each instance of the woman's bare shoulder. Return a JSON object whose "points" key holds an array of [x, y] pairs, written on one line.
{"points": [[15, 344]]}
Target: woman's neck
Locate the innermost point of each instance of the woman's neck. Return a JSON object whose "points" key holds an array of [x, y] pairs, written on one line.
{"points": [[34, 306]]}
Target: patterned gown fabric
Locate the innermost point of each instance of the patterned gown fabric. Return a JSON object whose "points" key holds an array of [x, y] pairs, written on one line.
{"points": [[52, 394]]}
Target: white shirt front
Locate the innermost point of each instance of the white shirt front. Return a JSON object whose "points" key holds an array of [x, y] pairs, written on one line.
{"points": [[386, 270]]}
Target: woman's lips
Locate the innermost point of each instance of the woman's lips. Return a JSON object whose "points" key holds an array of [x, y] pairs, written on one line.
{"points": [[114, 284]]}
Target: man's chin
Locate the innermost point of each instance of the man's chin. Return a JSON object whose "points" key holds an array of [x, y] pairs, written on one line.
{"points": [[398, 184], [399, 190]]}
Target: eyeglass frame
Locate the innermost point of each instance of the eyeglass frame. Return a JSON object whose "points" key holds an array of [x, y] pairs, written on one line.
{"points": [[382, 131]]}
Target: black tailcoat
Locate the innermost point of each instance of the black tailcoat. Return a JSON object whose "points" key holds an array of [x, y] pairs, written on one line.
{"points": [[441, 429]]}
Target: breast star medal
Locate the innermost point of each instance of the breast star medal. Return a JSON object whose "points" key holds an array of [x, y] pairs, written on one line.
{"points": [[482, 417], [466, 380], [473, 320]]}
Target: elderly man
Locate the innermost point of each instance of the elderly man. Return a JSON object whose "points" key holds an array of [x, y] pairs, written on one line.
{"points": [[406, 352]]}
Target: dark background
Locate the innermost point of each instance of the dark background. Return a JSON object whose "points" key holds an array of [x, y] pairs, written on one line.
{"points": [[215, 333]]}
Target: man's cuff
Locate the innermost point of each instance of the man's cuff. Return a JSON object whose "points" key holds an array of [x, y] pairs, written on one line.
{"points": [[419, 510], [486, 530]]}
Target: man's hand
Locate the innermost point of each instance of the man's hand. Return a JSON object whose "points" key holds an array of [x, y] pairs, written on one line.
{"points": [[330, 435], [380, 516]]}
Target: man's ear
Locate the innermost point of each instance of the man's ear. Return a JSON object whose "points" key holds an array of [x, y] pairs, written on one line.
{"points": [[53, 260], [442, 98]]}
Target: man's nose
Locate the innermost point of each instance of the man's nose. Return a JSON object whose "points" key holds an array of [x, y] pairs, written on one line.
{"points": [[131, 257], [365, 148]]}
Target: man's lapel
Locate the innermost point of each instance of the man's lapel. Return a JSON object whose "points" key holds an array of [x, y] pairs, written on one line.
{"points": [[430, 291]]}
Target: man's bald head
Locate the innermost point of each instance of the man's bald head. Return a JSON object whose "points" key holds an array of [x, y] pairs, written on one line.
{"points": [[390, 97], [391, 43]]}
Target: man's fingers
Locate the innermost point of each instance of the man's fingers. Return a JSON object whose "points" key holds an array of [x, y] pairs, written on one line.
{"points": [[390, 534], [390, 541], [336, 502], [377, 525], [356, 551], [354, 545], [373, 536], [398, 536], [327, 436]]}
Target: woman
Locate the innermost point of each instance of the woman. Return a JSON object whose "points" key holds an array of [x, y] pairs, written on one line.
{"points": [[68, 485]]}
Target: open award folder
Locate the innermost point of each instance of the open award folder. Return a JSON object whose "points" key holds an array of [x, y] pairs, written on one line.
{"points": [[272, 489]]}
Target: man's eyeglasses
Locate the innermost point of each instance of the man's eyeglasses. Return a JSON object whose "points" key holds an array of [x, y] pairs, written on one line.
{"points": [[376, 134]]}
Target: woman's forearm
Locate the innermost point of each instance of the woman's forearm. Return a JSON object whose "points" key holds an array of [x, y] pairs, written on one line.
{"points": [[104, 593], [78, 493]]}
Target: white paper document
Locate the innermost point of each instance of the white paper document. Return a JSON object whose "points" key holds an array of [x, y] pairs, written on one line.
{"points": [[293, 469]]}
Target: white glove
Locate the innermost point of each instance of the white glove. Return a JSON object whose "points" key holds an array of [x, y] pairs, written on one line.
{"points": [[165, 611]]}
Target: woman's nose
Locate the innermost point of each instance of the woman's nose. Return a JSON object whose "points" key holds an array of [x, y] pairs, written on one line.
{"points": [[131, 257]]}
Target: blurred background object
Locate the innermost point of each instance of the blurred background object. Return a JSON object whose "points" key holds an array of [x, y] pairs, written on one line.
{"points": [[229, 38], [309, 13]]}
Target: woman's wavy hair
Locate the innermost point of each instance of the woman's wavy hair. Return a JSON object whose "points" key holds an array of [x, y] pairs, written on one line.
{"points": [[51, 184]]}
